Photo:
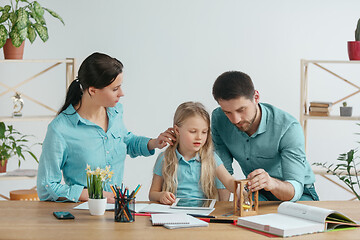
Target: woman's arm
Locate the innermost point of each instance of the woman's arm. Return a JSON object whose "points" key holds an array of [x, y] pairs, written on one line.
{"points": [[155, 193]]}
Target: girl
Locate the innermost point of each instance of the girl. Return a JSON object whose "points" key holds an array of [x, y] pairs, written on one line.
{"points": [[89, 129], [189, 167]]}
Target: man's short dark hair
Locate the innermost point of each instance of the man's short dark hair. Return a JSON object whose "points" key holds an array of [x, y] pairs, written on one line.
{"points": [[232, 85]]}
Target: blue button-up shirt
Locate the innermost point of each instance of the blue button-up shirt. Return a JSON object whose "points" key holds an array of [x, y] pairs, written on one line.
{"points": [[72, 142], [188, 175], [277, 147]]}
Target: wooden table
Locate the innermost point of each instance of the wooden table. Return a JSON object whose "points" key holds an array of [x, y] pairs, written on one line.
{"points": [[34, 220]]}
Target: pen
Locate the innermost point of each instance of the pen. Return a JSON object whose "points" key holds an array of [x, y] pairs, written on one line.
{"points": [[212, 220], [201, 216]]}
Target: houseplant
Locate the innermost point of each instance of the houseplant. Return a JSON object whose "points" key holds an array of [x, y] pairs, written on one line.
{"points": [[12, 144], [96, 180], [345, 110], [354, 46], [346, 170], [20, 20]]}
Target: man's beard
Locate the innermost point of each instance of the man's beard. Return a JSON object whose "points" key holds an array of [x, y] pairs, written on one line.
{"points": [[246, 125]]}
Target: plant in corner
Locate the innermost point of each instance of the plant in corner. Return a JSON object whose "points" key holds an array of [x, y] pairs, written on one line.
{"points": [[354, 46], [346, 170], [23, 19], [12, 143]]}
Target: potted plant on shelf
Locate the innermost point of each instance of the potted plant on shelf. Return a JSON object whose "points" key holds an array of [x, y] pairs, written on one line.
{"points": [[354, 46], [345, 111], [96, 180], [12, 144], [20, 20]]}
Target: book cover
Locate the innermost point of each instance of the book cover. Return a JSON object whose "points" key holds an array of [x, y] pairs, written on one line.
{"points": [[169, 218], [193, 222], [319, 109], [320, 114], [297, 219], [320, 104]]}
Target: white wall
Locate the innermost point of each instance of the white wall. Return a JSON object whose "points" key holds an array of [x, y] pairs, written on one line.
{"points": [[174, 50]]}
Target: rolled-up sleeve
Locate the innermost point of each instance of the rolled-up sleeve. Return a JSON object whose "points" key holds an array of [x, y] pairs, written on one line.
{"points": [[49, 177], [294, 158]]}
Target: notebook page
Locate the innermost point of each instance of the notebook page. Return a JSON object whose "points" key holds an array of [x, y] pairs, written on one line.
{"points": [[168, 218]]}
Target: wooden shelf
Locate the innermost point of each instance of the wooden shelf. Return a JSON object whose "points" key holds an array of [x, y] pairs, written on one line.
{"points": [[354, 118], [26, 118]]}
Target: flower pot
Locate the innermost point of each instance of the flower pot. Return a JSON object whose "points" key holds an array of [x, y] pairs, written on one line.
{"points": [[12, 52], [3, 166], [345, 111], [97, 206], [354, 50]]}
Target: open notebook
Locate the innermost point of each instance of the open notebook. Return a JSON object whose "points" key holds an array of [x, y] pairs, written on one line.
{"points": [[297, 219]]}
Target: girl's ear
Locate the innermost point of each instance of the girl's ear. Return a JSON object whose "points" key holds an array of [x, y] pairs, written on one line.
{"points": [[176, 130]]}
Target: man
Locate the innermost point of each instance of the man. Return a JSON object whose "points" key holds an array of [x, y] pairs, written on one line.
{"points": [[267, 142]]}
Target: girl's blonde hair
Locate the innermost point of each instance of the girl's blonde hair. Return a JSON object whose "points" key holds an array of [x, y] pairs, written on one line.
{"points": [[170, 166]]}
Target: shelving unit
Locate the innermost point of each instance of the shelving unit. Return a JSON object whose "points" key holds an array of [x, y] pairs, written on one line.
{"points": [[304, 102], [69, 76]]}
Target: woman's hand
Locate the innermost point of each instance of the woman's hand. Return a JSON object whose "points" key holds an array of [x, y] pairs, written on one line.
{"points": [[167, 198], [165, 138]]}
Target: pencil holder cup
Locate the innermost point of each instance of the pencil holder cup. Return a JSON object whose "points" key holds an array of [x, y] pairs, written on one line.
{"points": [[124, 209]]}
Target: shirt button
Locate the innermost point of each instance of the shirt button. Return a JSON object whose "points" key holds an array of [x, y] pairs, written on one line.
{"points": [[107, 152], [247, 159], [247, 140], [47, 185], [73, 199], [105, 138]]}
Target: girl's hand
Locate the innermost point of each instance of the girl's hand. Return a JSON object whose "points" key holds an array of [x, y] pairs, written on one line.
{"points": [[165, 138], [167, 198]]}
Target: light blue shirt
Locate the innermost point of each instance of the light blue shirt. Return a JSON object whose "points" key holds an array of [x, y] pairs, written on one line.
{"points": [[188, 175], [72, 142], [277, 147]]}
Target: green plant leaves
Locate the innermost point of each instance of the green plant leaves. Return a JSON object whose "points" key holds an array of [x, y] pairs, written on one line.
{"points": [[3, 35], [42, 31], [54, 14], [19, 23]]}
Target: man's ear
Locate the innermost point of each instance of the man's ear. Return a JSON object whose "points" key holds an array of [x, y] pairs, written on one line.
{"points": [[256, 96]]}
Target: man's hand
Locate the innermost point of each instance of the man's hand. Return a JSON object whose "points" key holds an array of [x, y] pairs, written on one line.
{"points": [[260, 179]]}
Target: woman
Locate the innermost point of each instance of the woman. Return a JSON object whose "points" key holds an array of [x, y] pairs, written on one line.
{"points": [[89, 129]]}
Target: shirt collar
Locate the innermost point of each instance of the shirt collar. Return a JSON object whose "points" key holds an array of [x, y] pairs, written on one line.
{"points": [[179, 156], [75, 118], [263, 122]]}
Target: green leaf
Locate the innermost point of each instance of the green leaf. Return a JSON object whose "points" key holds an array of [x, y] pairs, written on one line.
{"points": [[3, 38], [54, 14], [31, 33], [4, 17], [22, 19], [38, 9], [15, 38], [42, 31]]}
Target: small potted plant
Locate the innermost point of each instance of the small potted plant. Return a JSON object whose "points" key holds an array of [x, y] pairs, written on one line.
{"points": [[345, 111], [354, 46], [96, 180], [20, 20], [12, 144]]}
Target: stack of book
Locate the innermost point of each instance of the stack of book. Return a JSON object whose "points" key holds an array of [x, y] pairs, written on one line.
{"points": [[319, 108]]}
